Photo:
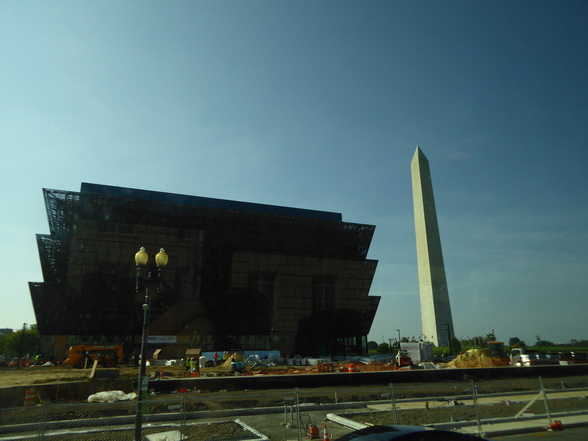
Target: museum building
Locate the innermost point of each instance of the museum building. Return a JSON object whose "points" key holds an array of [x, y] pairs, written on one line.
{"points": [[240, 276]]}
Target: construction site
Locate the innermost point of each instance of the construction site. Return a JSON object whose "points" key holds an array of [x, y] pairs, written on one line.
{"points": [[199, 364], [245, 396], [235, 366], [282, 402]]}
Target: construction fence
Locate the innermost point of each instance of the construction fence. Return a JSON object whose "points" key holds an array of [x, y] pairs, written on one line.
{"points": [[291, 414]]}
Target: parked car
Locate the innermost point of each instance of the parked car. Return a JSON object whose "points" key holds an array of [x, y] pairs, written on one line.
{"points": [[406, 433]]}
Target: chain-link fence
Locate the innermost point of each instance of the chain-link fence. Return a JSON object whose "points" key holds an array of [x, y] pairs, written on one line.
{"points": [[290, 414]]}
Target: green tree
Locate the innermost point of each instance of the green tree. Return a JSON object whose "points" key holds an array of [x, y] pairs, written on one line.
{"points": [[455, 345], [383, 348], [3, 345], [372, 346], [22, 342], [514, 341], [576, 342]]}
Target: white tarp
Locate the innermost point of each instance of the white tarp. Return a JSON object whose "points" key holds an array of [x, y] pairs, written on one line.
{"points": [[111, 396]]}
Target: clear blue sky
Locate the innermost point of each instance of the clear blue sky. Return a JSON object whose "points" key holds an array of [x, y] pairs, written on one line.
{"points": [[320, 105]]}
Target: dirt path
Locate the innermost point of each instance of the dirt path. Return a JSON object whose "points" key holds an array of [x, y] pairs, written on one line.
{"points": [[35, 375]]}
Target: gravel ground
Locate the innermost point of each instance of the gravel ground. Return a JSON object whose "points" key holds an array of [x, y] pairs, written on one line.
{"points": [[35, 375]]}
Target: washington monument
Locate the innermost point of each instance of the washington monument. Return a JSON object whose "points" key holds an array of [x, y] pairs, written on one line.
{"points": [[435, 307]]}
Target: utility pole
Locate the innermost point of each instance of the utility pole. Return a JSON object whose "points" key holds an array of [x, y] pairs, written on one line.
{"points": [[24, 327]]}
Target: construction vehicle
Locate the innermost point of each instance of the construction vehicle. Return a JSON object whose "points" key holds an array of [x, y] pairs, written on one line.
{"points": [[418, 352], [82, 356], [495, 349], [520, 357], [240, 366], [402, 359]]}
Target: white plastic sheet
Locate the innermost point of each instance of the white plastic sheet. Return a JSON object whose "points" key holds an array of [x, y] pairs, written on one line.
{"points": [[111, 396]]}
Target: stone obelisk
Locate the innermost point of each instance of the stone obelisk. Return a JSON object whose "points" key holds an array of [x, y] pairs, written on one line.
{"points": [[435, 308]]}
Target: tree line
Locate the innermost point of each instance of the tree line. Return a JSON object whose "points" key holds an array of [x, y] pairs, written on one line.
{"points": [[22, 342], [477, 342]]}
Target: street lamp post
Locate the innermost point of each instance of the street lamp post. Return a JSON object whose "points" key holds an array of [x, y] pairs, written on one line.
{"points": [[448, 337], [141, 259]]}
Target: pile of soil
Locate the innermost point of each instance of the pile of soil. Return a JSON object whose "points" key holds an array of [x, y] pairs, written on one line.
{"points": [[474, 359]]}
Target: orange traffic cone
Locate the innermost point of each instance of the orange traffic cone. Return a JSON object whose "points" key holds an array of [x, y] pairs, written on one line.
{"points": [[30, 397], [326, 436]]}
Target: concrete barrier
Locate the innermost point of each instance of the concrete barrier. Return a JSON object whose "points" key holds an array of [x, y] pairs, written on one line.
{"points": [[344, 379]]}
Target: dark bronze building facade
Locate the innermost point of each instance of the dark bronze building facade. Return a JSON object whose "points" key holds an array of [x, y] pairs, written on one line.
{"points": [[240, 275]]}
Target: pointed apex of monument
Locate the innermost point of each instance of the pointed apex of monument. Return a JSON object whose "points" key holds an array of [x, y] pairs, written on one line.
{"points": [[419, 155]]}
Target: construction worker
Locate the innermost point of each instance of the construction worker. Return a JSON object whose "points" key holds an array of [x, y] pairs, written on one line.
{"points": [[215, 358], [192, 365]]}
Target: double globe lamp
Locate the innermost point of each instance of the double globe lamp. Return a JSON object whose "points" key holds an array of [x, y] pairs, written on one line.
{"points": [[141, 259]]}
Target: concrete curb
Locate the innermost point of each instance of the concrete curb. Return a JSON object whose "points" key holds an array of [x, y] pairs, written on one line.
{"points": [[346, 422]]}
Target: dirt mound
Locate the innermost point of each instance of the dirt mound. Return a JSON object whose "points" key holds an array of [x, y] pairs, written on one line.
{"points": [[474, 359]]}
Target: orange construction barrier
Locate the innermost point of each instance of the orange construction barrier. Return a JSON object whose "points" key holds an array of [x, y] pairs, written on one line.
{"points": [[312, 431], [30, 397]]}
